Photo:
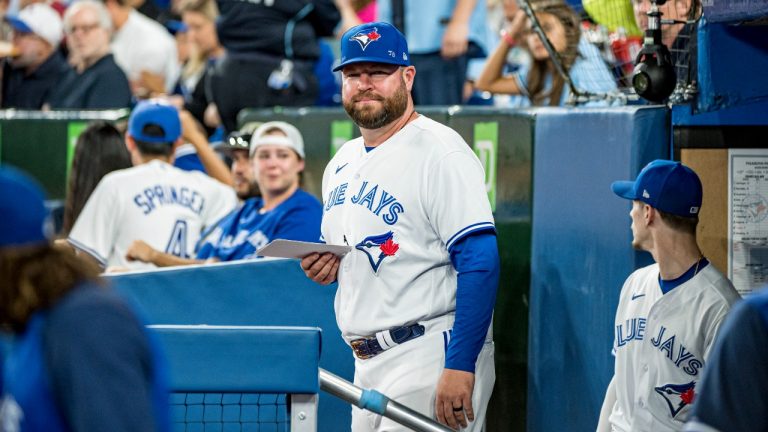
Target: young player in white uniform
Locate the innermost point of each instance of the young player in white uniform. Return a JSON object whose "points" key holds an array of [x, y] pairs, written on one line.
{"points": [[409, 197], [669, 312], [153, 201]]}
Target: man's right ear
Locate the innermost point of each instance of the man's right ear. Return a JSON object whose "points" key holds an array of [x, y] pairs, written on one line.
{"points": [[130, 144]]}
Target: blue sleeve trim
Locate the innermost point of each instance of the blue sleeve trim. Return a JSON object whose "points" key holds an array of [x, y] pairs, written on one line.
{"points": [[476, 259], [464, 232], [88, 250]]}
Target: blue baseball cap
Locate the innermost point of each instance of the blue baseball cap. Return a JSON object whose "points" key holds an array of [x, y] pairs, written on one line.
{"points": [[377, 42], [26, 221], [158, 113], [664, 185]]}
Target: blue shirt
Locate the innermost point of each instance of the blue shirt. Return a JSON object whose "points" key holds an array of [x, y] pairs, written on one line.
{"points": [[425, 22], [241, 233], [731, 396], [86, 364]]}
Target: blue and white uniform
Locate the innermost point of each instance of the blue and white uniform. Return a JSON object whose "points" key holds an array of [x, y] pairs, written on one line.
{"points": [[244, 231], [403, 206], [61, 373], [164, 206], [662, 342]]}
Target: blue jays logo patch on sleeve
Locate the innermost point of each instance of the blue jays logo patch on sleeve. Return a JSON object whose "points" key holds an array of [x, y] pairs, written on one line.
{"points": [[677, 396], [365, 39], [377, 248]]}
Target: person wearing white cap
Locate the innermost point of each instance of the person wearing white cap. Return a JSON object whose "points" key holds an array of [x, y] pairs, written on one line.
{"points": [[284, 210], [35, 67]]}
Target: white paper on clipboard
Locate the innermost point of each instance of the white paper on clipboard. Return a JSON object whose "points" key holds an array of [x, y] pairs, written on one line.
{"points": [[298, 249]]}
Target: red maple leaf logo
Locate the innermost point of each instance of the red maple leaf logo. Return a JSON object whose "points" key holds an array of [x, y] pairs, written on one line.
{"points": [[373, 35], [688, 396], [389, 247]]}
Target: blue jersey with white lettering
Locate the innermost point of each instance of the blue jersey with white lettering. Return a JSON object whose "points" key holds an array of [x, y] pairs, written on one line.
{"points": [[86, 364], [244, 231]]}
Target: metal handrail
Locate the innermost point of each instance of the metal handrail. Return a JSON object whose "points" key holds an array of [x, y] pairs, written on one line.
{"points": [[376, 402]]}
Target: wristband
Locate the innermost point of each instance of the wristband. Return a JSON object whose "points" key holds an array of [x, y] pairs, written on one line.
{"points": [[507, 38]]}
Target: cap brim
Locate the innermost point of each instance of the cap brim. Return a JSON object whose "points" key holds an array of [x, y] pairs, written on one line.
{"points": [[367, 60], [19, 25], [624, 189]]}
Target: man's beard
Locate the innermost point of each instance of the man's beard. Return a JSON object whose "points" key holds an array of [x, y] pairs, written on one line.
{"points": [[369, 118]]}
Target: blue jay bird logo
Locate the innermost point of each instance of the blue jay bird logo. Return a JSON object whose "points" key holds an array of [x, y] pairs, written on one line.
{"points": [[677, 395], [378, 247], [365, 39]]}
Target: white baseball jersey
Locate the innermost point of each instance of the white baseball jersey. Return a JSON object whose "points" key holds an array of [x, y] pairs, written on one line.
{"points": [[155, 202], [661, 344], [401, 206]]}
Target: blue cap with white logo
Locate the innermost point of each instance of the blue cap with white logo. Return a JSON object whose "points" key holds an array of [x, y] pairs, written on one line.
{"points": [[664, 185], [26, 221], [376, 42], [154, 112]]}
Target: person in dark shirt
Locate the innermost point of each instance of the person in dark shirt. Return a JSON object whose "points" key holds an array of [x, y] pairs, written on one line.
{"points": [[271, 50], [81, 359], [31, 74], [96, 82]]}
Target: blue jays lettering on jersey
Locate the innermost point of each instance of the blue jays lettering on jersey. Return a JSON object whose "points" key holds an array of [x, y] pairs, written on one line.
{"points": [[244, 231], [377, 201]]}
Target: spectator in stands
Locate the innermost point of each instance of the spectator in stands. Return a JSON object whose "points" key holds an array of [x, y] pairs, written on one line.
{"points": [[143, 49], [35, 66], [540, 82], [442, 37], [96, 81], [153, 201], [284, 211], [81, 360], [199, 17], [100, 149], [271, 50]]}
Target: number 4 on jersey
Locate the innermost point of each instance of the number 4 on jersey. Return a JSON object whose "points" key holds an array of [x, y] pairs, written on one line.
{"points": [[177, 244]]}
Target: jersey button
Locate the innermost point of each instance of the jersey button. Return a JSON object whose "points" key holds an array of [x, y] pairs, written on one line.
{"points": [[645, 368], [641, 404], [357, 176]]}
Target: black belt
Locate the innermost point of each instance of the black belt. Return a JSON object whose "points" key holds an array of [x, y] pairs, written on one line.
{"points": [[366, 348]]}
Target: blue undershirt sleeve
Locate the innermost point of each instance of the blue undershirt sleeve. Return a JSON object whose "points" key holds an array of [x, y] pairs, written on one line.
{"points": [[476, 260]]}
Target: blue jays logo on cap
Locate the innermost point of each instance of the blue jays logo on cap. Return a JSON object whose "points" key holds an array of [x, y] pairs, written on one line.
{"points": [[677, 396], [377, 248], [377, 42], [366, 38]]}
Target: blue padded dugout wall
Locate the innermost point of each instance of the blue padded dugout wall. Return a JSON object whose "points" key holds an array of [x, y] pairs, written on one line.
{"points": [[252, 293], [581, 253]]}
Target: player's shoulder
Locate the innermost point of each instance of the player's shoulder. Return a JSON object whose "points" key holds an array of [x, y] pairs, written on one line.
{"points": [[715, 285], [438, 137]]}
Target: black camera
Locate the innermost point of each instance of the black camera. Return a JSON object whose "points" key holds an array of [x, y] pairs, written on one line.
{"points": [[654, 75]]}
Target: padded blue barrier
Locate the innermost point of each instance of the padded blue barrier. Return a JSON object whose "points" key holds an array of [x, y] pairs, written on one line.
{"points": [[581, 254], [248, 293], [735, 10], [725, 78], [242, 359]]}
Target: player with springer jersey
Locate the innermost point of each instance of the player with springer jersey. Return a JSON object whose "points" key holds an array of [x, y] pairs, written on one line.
{"points": [[669, 312], [80, 359], [153, 201], [416, 293], [284, 210]]}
